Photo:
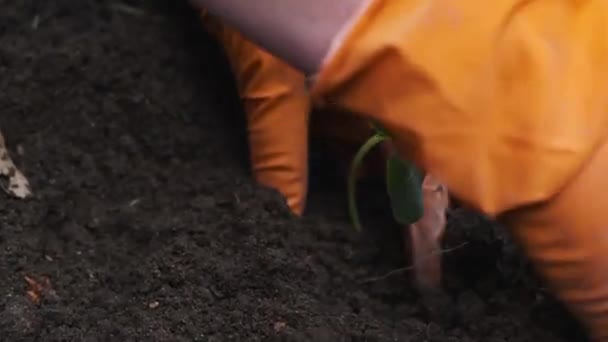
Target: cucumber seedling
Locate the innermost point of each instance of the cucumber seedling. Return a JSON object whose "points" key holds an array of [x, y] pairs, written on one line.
{"points": [[403, 183]]}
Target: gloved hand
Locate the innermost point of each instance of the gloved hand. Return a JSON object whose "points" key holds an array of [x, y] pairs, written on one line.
{"points": [[505, 103], [277, 108]]}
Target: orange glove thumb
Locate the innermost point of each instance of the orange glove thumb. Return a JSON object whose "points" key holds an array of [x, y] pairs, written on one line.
{"points": [[277, 107]]}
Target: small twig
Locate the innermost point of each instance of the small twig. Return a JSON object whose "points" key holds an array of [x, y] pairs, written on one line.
{"points": [[404, 269], [35, 22], [135, 12], [120, 7]]}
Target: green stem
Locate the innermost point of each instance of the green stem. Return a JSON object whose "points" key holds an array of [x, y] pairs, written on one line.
{"points": [[352, 177]]}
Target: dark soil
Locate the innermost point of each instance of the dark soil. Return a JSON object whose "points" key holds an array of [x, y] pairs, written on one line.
{"points": [[149, 227]]}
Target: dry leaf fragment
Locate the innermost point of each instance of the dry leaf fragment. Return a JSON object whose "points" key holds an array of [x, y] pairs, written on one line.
{"points": [[37, 288], [18, 185]]}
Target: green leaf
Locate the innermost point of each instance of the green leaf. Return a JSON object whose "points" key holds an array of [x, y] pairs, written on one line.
{"points": [[404, 185]]}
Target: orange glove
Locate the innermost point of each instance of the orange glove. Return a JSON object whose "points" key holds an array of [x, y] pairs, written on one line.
{"points": [[567, 237], [277, 108], [508, 104], [277, 105]]}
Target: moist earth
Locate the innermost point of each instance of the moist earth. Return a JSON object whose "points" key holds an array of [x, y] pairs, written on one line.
{"points": [[146, 224]]}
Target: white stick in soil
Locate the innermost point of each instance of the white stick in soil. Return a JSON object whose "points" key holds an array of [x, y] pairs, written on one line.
{"points": [[426, 235], [18, 185]]}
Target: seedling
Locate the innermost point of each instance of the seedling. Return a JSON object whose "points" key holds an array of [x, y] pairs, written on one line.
{"points": [[403, 183]]}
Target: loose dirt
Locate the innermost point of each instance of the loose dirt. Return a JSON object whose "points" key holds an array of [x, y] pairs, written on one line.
{"points": [[146, 224]]}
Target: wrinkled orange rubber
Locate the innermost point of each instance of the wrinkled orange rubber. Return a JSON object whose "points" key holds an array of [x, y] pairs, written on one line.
{"points": [[567, 238], [503, 103], [277, 105], [506, 104]]}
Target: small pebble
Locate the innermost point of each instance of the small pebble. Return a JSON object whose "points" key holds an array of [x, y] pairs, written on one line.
{"points": [[279, 326]]}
